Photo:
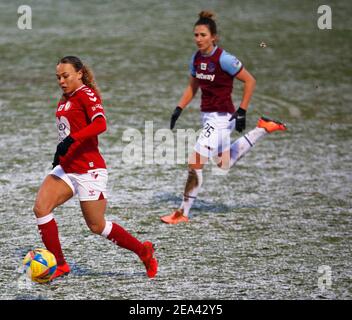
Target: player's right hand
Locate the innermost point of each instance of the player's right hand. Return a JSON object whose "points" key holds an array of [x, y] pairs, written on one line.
{"points": [[56, 160], [62, 149], [174, 117], [63, 146]]}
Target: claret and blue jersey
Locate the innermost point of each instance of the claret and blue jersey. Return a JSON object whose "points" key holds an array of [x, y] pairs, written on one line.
{"points": [[215, 73]]}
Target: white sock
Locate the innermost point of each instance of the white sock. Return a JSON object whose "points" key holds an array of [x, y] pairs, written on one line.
{"points": [[189, 198], [45, 219], [107, 229], [242, 145]]}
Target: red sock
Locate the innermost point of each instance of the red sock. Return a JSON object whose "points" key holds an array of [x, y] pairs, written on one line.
{"points": [[122, 238], [50, 236]]}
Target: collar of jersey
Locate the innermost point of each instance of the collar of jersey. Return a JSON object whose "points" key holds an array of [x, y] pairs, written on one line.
{"points": [[211, 53], [83, 85]]}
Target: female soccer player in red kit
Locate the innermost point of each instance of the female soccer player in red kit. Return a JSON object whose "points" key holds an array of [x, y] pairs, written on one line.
{"points": [[79, 168], [213, 71]]}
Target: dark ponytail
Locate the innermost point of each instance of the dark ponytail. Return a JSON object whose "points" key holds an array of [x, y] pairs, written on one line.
{"points": [[207, 18]]}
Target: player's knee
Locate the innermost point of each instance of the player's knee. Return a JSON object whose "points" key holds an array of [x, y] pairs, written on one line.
{"points": [[196, 161], [96, 228], [41, 210]]}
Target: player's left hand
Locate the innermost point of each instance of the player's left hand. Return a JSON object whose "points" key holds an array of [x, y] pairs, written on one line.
{"points": [[240, 116]]}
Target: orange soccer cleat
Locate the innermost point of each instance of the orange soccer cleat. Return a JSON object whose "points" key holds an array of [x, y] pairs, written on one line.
{"points": [[174, 218], [271, 125], [150, 262], [61, 271]]}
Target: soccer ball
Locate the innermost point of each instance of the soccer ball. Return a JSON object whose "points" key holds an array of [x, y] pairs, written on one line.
{"points": [[39, 265]]}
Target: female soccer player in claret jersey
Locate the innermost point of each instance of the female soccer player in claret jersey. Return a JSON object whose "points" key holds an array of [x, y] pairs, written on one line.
{"points": [[79, 168], [213, 71]]}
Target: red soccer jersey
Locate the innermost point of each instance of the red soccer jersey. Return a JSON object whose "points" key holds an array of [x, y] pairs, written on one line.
{"points": [[73, 115]]}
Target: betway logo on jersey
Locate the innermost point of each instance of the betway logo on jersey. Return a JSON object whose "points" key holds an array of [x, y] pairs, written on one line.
{"points": [[203, 76]]}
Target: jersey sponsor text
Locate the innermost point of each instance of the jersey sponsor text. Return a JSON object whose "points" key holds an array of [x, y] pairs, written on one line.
{"points": [[203, 76]]}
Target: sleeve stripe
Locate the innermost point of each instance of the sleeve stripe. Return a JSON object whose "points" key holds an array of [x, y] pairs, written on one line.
{"points": [[98, 114], [238, 71]]}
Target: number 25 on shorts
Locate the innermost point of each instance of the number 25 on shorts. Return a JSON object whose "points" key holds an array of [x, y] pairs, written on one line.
{"points": [[207, 130]]}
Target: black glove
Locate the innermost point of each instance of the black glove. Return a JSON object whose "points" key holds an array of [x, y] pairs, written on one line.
{"points": [[174, 117], [63, 146], [56, 160], [240, 116], [62, 149]]}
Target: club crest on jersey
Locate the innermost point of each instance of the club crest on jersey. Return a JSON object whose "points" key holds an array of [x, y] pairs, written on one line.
{"points": [[211, 67], [203, 66], [65, 106]]}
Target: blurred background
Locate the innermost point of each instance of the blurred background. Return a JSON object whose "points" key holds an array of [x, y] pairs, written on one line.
{"points": [[263, 231]]}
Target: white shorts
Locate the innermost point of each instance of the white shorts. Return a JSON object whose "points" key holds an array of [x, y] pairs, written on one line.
{"points": [[88, 185], [215, 137]]}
